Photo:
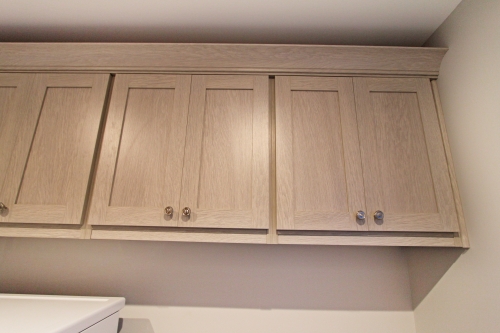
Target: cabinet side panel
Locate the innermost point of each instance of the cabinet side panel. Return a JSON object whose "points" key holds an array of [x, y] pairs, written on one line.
{"points": [[464, 237]]}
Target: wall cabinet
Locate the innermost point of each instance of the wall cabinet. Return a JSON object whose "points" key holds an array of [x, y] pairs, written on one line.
{"points": [[226, 143], [367, 145], [185, 151], [404, 162], [49, 125], [318, 163]]}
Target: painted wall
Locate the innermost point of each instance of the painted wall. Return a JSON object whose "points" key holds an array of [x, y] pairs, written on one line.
{"points": [[467, 298], [182, 287]]}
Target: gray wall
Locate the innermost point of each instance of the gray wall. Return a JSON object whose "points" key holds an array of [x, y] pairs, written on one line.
{"points": [[467, 298]]}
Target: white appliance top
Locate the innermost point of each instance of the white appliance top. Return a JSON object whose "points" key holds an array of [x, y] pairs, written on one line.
{"points": [[54, 314]]}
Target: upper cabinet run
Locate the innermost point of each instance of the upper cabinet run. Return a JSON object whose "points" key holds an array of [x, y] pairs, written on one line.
{"points": [[50, 131], [281, 144], [185, 151]]}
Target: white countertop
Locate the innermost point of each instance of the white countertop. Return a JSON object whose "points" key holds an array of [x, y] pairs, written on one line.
{"points": [[54, 314]]}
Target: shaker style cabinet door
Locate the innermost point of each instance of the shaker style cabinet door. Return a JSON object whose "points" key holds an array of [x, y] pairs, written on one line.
{"points": [[225, 180], [407, 184], [14, 92], [318, 165], [47, 178], [140, 165]]}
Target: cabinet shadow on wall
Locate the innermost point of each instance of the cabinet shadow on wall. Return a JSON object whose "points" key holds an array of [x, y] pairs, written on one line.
{"points": [[224, 275], [426, 266]]}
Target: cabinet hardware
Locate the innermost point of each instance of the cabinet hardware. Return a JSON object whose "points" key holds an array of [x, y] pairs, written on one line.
{"points": [[169, 211], [186, 211], [361, 215], [379, 215]]}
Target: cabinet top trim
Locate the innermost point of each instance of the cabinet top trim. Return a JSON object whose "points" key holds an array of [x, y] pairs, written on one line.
{"points": [[222, 58]]}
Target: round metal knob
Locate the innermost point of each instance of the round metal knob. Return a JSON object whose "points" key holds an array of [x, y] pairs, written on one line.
{"points": [[2, 207], [186, 211], [360, 215], [379, 215], [169, 211]]}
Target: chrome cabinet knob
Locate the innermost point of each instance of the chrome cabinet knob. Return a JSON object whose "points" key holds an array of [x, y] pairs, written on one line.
{"points": [[186, 211], [169, 211], [2, 207], [360, 215], [379, 215]]}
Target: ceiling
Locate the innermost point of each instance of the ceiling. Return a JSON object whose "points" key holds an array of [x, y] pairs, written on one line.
{"points": [[347, 22]]}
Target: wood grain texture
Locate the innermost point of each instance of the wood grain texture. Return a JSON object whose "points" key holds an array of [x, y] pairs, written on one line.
{"points": [[367, 241], [464, 237], [323, 221], [140, 166], [53, 154], [226, 163], [14, 88], [40, 233], [319, 179], [404, 164], [172, 236], [272, 236], [222, 58]]}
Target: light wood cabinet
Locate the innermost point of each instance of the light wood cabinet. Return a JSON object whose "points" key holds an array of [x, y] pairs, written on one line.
{"points": [[325, 174], [318, 163], [140, 164], [226, 172], [275, 144], [50, 160], [199, 143], [404, 162]]}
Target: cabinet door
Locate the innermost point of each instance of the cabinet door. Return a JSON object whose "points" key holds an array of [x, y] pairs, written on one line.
{"points": [[48, 174], [225, 180], [318, 164], [14, 89], [140, 165], [404, 164]]}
